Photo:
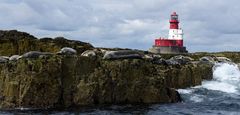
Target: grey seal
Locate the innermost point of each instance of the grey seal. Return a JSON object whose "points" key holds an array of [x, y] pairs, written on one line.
{"points": [[207, 59], [179, 60], [67, 51], [35, 54], [122, 54], [89, 53], [4, 59], [14, 58]]}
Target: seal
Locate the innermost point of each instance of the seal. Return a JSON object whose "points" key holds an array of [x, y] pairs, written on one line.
{"points": [[122, 54], [35, 54], [207, 59], [4, 59], [14, 57], [89, 53], [223, 59], [179, 60], [67, 51]]}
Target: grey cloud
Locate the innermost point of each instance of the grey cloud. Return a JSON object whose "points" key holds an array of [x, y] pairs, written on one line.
{"points": [[208, 25]]}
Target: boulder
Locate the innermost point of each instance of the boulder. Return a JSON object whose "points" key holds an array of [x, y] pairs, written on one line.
{"points": [[67, 51], [122, 54]]}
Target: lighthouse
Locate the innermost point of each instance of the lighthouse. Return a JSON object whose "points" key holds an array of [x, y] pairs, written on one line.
{"points": [[174, 43]]}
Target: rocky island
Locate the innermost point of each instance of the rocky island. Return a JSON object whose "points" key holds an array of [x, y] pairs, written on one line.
{"points": [[94, 76]]}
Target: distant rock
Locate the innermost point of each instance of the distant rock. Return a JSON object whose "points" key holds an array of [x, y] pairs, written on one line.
{"points": [[17, 43]]}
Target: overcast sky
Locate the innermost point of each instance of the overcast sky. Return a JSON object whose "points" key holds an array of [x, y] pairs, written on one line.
{"points": [[209, 25]]}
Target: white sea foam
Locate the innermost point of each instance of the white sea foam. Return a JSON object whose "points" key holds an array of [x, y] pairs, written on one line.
{"points": [[226, 78], [185, 91], [196, 98]]}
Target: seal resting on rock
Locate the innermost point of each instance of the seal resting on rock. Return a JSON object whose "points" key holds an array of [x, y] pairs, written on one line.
{"points": [[223, 59], [89, 53], [4, 59], [179, 60], [67, 51], [35, 54], [14, 58], [122, 54], [207, 59]]}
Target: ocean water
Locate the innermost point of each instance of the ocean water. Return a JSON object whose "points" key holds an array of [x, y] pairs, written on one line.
{"points": [[220, 96]]}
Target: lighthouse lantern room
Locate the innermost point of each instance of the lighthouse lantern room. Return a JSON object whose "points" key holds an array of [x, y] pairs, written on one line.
{"points": [[174, 42]]}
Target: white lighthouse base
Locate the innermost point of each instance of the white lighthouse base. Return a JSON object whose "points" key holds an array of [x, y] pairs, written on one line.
{"points": [[168, 49]]}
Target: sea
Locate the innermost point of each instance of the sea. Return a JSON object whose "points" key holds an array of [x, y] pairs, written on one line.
{"points": [[219, 96]]}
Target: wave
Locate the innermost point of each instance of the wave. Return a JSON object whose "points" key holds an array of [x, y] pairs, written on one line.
{"points": [[226, 78], [225, 84]]}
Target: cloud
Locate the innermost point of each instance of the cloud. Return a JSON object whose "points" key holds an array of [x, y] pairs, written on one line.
{"points": [[208, 25]]}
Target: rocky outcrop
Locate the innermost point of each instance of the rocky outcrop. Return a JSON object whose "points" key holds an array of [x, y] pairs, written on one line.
{"points": [[16, 43], [64, 81], [97, 76]]}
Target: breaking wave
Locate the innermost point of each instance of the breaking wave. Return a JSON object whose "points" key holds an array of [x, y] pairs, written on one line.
{"points": [[226, 78]]}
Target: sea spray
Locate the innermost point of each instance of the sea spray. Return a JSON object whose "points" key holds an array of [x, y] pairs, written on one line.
{"points": [[226, 78]]}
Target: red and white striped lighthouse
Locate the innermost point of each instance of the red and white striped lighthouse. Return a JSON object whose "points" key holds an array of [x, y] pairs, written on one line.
{"points": [[174, 42]]}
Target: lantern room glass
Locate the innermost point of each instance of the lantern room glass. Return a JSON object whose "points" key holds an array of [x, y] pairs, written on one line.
{"points": [[174, 17]]}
